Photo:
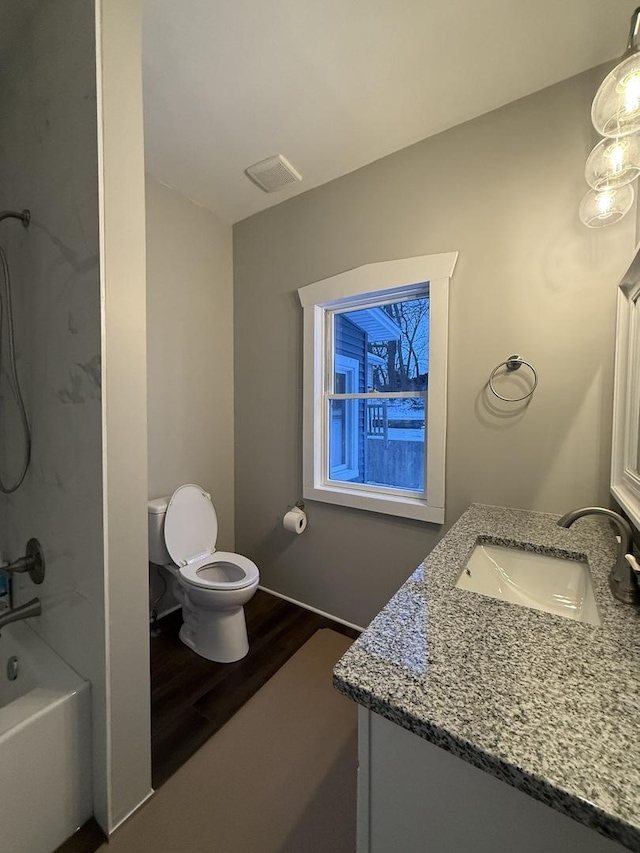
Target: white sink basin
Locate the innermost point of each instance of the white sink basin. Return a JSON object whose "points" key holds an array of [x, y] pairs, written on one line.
{"points": [[546, 583]]}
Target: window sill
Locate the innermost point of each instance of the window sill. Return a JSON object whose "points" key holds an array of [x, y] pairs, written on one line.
{"points": [[403, 507]]}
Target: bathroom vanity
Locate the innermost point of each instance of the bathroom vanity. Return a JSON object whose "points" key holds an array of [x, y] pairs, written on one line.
{"points": [[489, 726]]}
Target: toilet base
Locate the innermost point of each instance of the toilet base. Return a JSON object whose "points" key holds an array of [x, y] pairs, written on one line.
{"points": [[214, 624], [217, 635]]}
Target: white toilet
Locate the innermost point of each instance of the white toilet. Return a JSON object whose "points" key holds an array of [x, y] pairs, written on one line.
{"points": [[212, 586]]}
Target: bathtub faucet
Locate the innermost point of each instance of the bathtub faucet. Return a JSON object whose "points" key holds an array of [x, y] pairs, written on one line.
{"points": [[32, 562], [25, 611]]}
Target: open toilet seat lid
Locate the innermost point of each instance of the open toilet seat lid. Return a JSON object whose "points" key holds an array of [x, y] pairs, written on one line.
{"points": [[190, 533], [190, 525]]}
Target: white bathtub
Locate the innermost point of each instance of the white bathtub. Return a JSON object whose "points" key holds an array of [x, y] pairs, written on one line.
{"points": [[45, 746]]}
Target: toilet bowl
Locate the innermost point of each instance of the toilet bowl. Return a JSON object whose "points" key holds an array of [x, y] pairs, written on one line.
{"points": [[211, 586]]}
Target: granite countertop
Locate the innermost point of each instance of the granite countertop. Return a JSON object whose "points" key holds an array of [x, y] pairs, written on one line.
{"points": [[548, 705]]}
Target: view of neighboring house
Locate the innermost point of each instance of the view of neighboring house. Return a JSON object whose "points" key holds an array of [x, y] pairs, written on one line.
{"points": [[382, 352]]}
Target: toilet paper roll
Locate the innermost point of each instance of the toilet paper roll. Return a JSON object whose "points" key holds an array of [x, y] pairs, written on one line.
{"points": [[295, 521]]}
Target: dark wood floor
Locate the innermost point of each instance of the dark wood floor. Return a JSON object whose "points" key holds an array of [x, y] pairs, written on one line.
{"points": [[86, 840], [191, 698]]}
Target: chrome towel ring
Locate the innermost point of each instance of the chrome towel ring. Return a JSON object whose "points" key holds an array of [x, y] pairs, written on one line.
{"points": [[514, 362]]}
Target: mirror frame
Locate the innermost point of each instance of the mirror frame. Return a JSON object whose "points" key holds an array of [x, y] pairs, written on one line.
{"points": [[625, 455]]}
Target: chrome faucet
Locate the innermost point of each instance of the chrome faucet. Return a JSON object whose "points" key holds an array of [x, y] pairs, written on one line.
{"points": [[622, 577], [25, 611]]}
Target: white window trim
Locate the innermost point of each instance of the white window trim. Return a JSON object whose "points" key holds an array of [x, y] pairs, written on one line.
{"points": [[625, 480], [380, 280], [350, 367]]}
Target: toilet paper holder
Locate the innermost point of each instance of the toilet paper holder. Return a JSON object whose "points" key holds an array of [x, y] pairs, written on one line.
{"points": [[295, 518]]}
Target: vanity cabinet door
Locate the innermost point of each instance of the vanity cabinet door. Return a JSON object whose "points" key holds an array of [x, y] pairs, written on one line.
{"points": [[414, 797]]}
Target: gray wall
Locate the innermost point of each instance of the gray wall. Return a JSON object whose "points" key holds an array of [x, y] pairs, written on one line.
{"points": [[124, 395], [48, 163], [503, 190], [190, 350], [190, 357]]}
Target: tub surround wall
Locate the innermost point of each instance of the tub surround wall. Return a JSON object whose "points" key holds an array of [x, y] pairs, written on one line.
{"points": [[71, 151], [502, 190], [48, 163]]}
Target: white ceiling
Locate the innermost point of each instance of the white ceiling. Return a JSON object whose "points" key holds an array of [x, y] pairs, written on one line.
{"points": [[336, 84]]}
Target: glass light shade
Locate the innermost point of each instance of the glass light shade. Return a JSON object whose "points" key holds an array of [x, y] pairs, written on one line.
{"points": [[613, 163], [604, 207], [616, 106]]}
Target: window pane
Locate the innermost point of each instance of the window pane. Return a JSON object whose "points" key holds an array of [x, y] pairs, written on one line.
{"points": [[346, 419], [379, 442], [390, 341], [349, 356], [338, 455]]}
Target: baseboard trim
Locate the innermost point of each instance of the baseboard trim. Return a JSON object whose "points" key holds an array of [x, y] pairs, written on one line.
{"points": [[164, 613], [312, 609]]}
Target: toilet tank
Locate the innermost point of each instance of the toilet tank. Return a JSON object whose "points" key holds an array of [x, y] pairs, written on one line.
{"points": [[156, 511]]}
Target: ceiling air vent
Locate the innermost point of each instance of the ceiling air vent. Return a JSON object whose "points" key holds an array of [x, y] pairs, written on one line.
{"points": [[273, 174]]}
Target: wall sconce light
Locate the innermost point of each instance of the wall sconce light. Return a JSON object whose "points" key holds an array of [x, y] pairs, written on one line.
{"points": [[615, 161]]}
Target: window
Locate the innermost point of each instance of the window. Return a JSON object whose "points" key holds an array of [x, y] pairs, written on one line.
{"points": [[375, 351]]}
